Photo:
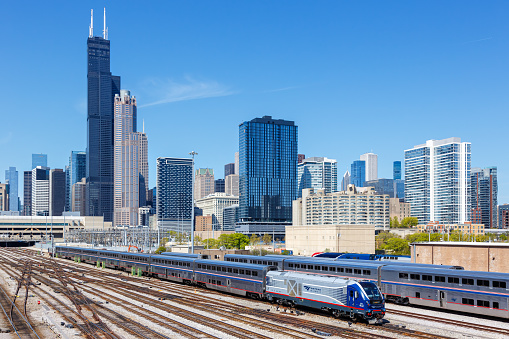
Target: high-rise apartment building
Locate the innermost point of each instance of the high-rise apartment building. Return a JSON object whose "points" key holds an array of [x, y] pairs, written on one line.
{"points": [[503, 216], [231, 185], [396, 170], [229, 169], [300, 158], [39, 160], [76, 170], [317, 172], [40, 191], [4, 197], [27, 193], [214, 204], [484, 196], [437, 181], [174, 193], [57, 178], [391, 187], [79, 196], [230, 217], [102, 87], [268, 170], [130, 162], [203, 182], [358, 173], [11, 178], [346, 181], [219, 186], [371, 166]]}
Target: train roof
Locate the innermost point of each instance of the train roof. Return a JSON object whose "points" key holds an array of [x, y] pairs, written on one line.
{"points": [[343, 263], [448, 272], [167, 257], [186, 255], [255, 257], [229, 264], [396, 263], [312, 278]]}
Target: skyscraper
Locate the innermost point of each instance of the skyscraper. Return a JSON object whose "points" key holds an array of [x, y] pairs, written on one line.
{"points": [[317, 172], [40, 191], [346, 181], [203, 183], [174, 193], [231, 185], [56, 191], [27, 193], [371, 169], [358, 173], [76, 170], [268, 170], [484, 196], [396, 170], [130, 162], [4, 197], [219, 186], [437, 181], [229, 169], [102, 87], [11, 178], [39, 160]]}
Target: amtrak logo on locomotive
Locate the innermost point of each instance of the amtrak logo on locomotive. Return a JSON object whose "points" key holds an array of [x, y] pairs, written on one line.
{"points": [[313, 289]]}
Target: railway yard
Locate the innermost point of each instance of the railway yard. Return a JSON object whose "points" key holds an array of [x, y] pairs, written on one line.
{"points": [[56, 298]]}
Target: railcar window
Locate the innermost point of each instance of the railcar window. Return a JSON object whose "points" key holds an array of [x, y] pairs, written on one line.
{"points": [[241, 271], [366, 272], [483, 303], [235, 270], [332, 269], [453, 280], [199, 265], [290, 265], [264, 262], [248, 272], [427, 277], [467, 281], [357, 271], [224, 269], [348, 270], [325, 268], [317, 268], [255, 274], [415, 277], [495, 304], [341, 269], [230, 270], [296, 265], [467, 301], [310, 267], [219, 282], [499, 284], [417, 294], [403, 275]]}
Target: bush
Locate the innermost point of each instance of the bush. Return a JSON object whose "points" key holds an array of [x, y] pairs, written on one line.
{"points": [[160, 250]]}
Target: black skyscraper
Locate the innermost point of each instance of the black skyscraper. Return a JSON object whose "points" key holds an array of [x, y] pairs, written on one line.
{"points": [[102, 87]]}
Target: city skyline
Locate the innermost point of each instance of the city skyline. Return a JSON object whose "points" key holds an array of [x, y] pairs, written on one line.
{"points": [[465, 78]]}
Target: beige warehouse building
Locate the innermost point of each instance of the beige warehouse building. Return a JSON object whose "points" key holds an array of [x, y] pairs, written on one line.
{"points": [[309, 239]]}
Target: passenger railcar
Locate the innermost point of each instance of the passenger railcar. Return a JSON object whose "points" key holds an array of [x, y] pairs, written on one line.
{"points": [[340, 297], [174, 268], [185, 255]]}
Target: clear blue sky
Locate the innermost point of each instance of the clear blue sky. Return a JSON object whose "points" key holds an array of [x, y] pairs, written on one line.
{"points": [[355, 76]]}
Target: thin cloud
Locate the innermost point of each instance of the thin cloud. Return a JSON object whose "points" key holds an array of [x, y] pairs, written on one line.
{"points": [[168, 91], [281, 89], [478, 40]]}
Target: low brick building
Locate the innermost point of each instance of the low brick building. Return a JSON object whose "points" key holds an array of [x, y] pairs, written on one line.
{"points": [[489, 257]]}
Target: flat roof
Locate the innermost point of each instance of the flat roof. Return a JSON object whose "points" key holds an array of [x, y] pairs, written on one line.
{"points": [[462, 243]]}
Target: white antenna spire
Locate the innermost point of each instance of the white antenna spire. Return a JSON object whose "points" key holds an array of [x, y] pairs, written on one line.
{"points": [[143, 126], [105, 29], [91, 27]]}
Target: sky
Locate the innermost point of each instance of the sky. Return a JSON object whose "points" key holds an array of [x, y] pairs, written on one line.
{"points": [[355, 76]]}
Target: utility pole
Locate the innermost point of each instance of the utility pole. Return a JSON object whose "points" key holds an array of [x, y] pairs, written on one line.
{"points": [[192, 153]]}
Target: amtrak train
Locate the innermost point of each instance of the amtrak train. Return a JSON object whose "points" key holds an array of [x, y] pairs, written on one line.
{"points": [[339, 296]]}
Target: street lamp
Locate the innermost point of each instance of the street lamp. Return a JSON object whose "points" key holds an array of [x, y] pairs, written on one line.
{"points": [[192, 153]]}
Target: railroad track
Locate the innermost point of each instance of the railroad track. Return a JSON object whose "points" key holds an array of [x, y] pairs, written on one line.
{"points": [[18, 321], [451, 322]]}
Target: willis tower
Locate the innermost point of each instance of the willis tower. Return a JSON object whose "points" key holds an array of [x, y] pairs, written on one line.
{"points": [[102, 87]]}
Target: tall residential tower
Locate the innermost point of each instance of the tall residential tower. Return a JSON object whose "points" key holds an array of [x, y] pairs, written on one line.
{"points": [[484, 196]]}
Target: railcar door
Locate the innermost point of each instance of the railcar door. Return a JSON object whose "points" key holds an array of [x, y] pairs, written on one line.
{"points": [[442, 296]]}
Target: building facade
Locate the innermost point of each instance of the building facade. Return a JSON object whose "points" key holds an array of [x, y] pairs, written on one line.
{"points": [[503, 216], [437, 181], [39, 160], [204, 183], [268, 170], [230, 217], [358, 173], [40, 191], [232, 185], [371, 166], [214, 204], [394, 188], [355, 206], [174, 202], [203, 223], [130, 162], [76, 170], [229, 169], [27, 193], [11, 178], [57, 179], [4, 197], [317, 172], [102, 87], [398, 209], [484, 196], [396, 170], [79, 196], [465, 228], [300, 158], [219, 186], [346, 181]]}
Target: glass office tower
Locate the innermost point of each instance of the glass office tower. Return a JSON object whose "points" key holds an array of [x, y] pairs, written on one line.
{"points": [[358, 173], [317, 173], [11, 178], [268, 170], [39, 160], [76, 170], [102, 87], [396, 170]]}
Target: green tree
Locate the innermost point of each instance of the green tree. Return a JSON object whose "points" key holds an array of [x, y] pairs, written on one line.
{"points": [[164, 241], [267, 239], [160, 250], [254, 239], [210, 243], [394, 222], [383, 237], [235, 240], [397, 246], [409, 222]]}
